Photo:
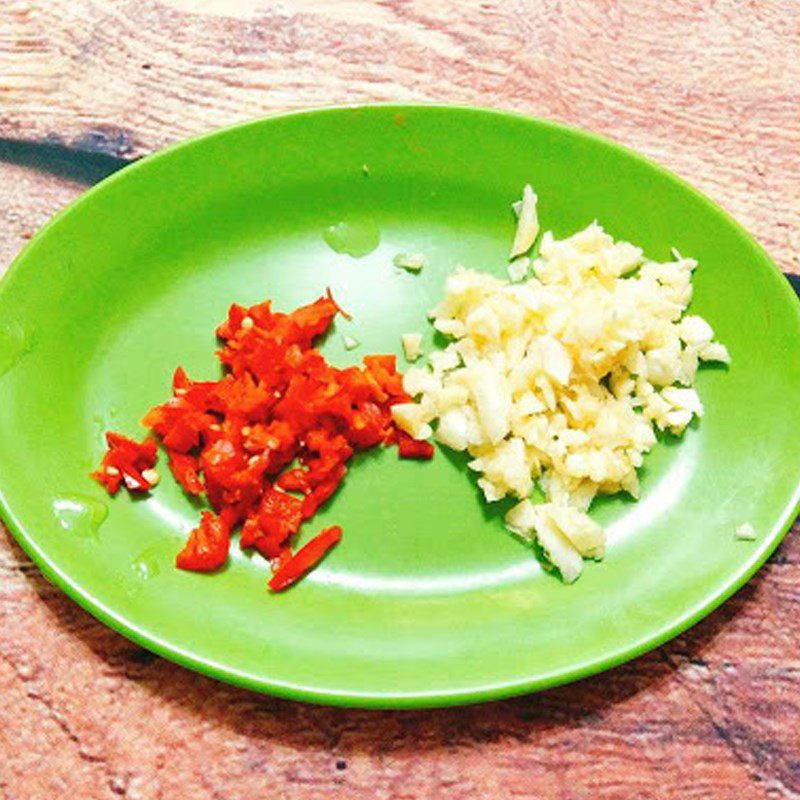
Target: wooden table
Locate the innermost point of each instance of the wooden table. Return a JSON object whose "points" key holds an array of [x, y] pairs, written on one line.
{"points": [[710, 89]]}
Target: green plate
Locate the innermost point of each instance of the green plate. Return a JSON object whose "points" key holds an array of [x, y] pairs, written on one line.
{"points": [[427, 601]]}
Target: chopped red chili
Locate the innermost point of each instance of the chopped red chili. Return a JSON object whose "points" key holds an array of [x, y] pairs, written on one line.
{"points": [[412, 448], [207, 546], [305, 559], [283, 557], [268, 443], [185, 468], [125, 461]]}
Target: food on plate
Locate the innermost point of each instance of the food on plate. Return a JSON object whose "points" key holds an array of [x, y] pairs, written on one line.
{"points": [[746, 532], [527, 223], [412, 345], [349, 342], [518, 268], [411, 262], [565, 533], [292, 568], [269, 442], [128, 463], [563, 379]]}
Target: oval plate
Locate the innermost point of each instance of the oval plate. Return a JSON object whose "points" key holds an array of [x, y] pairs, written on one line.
{"points": [[427, 601]]}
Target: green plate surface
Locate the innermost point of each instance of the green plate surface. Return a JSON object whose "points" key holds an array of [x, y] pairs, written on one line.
{"points": [[427, 601]]}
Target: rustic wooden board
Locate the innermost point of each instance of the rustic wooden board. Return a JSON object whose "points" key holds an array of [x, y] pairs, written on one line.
{"points": [[711, 90]]}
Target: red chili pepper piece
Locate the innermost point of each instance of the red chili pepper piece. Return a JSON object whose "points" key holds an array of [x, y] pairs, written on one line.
{"points": [[279, 517], [321, 493], [207, 546], [185, 469], [368, 425], [124, 462], [281, 559], [412, 448], [384, 369], [251, 531], [329, 295], [314, 319], [305, 559], [180, 380], [228, 329], [294, 480]]}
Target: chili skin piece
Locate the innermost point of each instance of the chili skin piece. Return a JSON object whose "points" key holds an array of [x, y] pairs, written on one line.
{"points": [[413, 448], [207, 546], [305, 559]]}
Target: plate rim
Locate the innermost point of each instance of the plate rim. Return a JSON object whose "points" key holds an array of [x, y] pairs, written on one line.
{"points": [[492, 690]]}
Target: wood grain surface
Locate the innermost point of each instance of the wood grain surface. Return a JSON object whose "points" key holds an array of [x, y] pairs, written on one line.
{"points": [[710, 89]]}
